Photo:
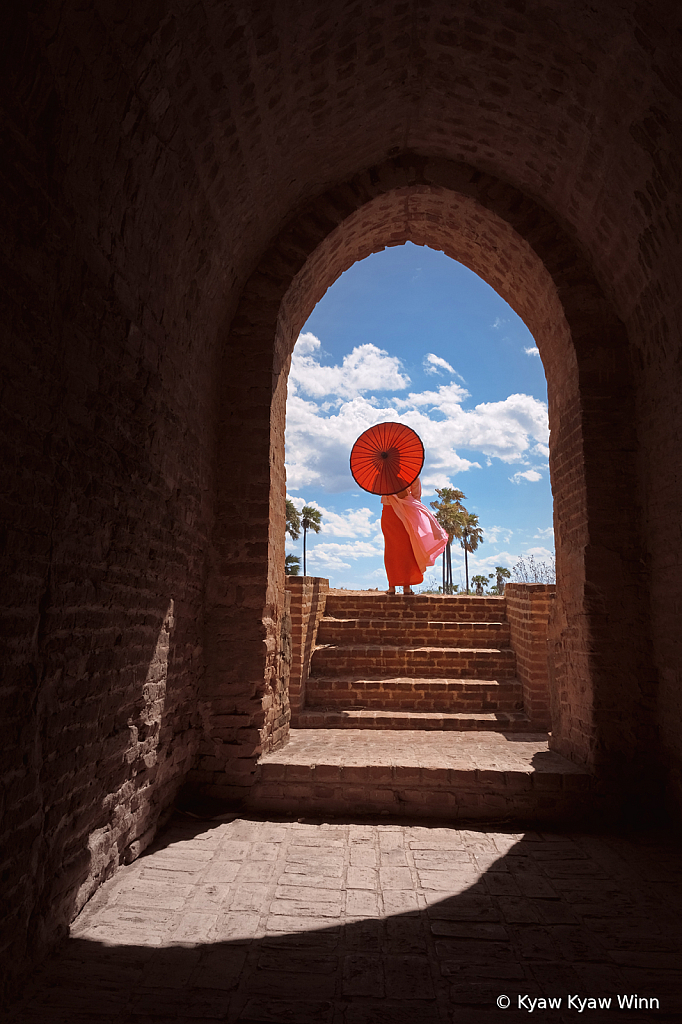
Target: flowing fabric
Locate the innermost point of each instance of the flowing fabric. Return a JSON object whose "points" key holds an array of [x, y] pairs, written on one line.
{"points": [[426, 536]]}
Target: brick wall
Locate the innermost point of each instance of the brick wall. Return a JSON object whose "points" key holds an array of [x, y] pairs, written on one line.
{"points": [[105, 435], [308, 599], [529, 606]]}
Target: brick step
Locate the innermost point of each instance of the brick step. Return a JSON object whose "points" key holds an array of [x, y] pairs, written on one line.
{"points": [[315, 717], [426, 607], [427, 774], [415, 632], [414, 662], [401, 694]]}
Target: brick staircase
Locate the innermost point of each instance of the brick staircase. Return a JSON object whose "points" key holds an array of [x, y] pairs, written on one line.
{"points": [[436, 679], [395, 662]]}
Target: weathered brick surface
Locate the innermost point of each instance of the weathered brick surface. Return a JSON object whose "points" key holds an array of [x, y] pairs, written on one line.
{"points": [[308, 598], [400, 678], [421, 774], [419, 611], [421, 633], [473, 719], [464, 663], [179, 185], [529, 608], [421, 694]]}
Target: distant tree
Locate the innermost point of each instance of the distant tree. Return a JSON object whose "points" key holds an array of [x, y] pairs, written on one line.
{"points": [[470, 537], [531, 571], [292, 565], [502, 575], [310, 520], [479, 583], [450, 513], [293, 524]]}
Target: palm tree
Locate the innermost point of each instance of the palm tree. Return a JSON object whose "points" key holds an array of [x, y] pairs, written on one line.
{"points": [[292, 565], [502, 575], [310, 520], [479, 582], [293, 524], [449, 514], [470, 538]]}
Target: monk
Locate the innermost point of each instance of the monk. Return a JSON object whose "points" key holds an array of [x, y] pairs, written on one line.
{"points": [[413, 539]]}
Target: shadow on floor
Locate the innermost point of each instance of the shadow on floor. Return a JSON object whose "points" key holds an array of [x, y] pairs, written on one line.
{"points": [[555, 916]]}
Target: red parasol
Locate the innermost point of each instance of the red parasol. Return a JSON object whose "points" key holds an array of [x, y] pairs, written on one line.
{"points": [[387, 458]]}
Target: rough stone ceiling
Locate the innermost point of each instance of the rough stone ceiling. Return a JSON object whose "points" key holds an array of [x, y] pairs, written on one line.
{"points": [[265, 105]]}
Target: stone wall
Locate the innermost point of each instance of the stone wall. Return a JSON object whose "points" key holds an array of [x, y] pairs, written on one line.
{"points": [[529, 606], [105, 437], [308, 599]]}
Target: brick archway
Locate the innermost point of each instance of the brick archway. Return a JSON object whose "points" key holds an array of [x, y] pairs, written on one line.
{"points": [[598, 629]]}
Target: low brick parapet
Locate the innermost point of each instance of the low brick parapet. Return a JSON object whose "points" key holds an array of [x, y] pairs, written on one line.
{"points": [[529, 606], [308, 595], [353, 604]]}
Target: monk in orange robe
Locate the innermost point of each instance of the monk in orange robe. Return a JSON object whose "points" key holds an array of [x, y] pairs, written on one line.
{"points": [[401, 565], [412, 538]]}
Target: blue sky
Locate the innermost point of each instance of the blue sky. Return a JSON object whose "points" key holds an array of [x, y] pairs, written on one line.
{"points": [[410, 335]]}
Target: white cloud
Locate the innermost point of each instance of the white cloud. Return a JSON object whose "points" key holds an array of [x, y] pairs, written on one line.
{"points": [[497, 535], [358, 522], [531, 475], [504, 429], [332, 556], [355, 549], [366, 368], [539, 554], [446, 398], [544, 534], [533, 350], [319, 437], [499, 322], [318, 447], [482, 564], [434, 364], [361, 522]]}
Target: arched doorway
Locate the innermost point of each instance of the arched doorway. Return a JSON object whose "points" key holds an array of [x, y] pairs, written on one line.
{"points": [[411, 332], [597, 649]]}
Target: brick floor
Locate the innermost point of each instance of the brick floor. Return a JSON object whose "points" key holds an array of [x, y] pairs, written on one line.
{"points": [[292, 922], [467, 776], [465, 751]]}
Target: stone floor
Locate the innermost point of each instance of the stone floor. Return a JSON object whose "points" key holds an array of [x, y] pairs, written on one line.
{"points": [[461, 776], [294, 922], [467, 751]]}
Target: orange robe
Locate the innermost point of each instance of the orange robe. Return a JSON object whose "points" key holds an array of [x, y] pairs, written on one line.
{"points": [[401, 565]]}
